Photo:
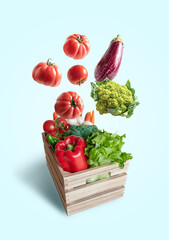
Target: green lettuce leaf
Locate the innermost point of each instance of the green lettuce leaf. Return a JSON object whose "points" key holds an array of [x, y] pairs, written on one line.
{"points": [[105, 148]]}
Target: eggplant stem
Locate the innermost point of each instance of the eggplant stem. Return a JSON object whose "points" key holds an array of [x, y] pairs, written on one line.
{"points": [[117, 39]]}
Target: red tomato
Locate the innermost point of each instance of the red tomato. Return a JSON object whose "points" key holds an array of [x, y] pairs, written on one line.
{"points": [[66, 128], [49, 126], [47, 73], [77, 74], [76, 46], [69, 105], [59, 121]]}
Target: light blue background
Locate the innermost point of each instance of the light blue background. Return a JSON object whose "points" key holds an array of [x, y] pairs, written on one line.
{"points": [[32, 31]]}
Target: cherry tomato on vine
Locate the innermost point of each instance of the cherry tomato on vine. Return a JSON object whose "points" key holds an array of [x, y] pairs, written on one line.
{"points": [[59, 121], [67, 127], [76, 46], [77, 74], [47, 73]]}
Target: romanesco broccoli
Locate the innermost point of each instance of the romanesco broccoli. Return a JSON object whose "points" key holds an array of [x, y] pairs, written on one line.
{"points": [[111, 97]]}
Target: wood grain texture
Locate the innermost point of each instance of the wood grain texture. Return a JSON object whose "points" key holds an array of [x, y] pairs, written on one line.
{"points": [[95, 187], [94, 201], [76, 195], [56, 184]]}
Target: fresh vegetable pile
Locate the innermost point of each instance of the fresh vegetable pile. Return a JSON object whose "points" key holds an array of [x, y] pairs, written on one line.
{"points": [[95, 147], [77, 142]]}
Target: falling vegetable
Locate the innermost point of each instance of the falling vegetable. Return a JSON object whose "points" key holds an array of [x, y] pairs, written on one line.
{"points": [[77, 74], [111, 97], [76, 46], [69, 105], [47, 73], [109, 64]]}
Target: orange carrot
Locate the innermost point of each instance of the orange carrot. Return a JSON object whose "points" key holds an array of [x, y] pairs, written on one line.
{"points": [[87, 116], [55, 115], [92, 120]]}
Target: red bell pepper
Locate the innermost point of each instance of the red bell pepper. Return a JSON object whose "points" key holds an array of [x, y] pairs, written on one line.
{"points": [[70, 154]]}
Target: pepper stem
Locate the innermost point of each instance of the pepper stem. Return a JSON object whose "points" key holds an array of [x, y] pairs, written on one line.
{"points": [[70, 147]]}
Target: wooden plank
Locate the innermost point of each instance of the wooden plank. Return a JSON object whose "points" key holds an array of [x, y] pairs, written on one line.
{"points": [[82, 181], [94, 201], [57, 187], [62, 172], [79, 178], [94, 188], [91, 172], [50, 154], [61, 187]]}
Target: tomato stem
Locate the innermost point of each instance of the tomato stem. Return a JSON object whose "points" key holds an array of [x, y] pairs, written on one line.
{"points": [[49, 63], [73, 102], [79, 38], [80, 82]]}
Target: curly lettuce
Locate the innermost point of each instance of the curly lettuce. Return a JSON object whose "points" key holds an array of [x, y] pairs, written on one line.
{"points": [[105, 148]]}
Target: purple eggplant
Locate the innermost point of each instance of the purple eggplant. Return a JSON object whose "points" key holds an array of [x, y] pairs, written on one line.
{"points": [[109, 64]]}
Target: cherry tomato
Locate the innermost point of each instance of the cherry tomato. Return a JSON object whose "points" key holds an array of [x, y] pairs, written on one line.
{"points": [[49, 126], [47, 73], [77, 74], [59, 121], [69, 105], [76, 46], [66, 128]]}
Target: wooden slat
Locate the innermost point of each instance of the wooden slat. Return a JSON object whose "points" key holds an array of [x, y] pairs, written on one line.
{"points": [[56, 184], [55, 165], [82, 180], [95, 201], [91, 172], [61, 187], [94, 188]]}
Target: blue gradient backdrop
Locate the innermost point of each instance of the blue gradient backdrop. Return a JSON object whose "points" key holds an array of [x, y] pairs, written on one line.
{"points": [[32, 31]]}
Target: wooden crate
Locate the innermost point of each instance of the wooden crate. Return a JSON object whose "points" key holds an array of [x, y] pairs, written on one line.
{"points": [[76, 194]]}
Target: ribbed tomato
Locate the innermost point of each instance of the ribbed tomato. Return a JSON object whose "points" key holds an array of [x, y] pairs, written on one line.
{"points": [[69, 105], [47, 73], [76, 46]]}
